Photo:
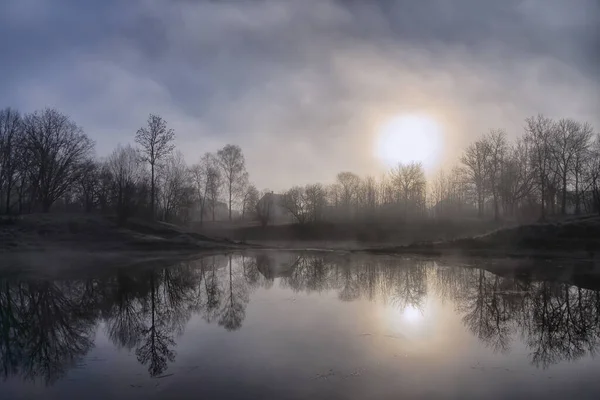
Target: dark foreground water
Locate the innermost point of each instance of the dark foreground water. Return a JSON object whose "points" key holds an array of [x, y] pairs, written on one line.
{"points": [[294, 326]]}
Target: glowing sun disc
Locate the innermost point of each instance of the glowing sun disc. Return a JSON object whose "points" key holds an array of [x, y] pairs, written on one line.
{"points": [[410, 138]]}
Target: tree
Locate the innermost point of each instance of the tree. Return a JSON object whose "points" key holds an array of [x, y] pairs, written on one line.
{"points": [[233, 166], [476, 162], [593, 172], [316, 201], [250, 201], [199, 177], [409, 184], [295, 201], [11, 129], [496, 142], [517, 177], [156, 142], [55, 148], [175, 186], [214, 184], [582, 157], [126, 173], [88, 184], [539, 131]]}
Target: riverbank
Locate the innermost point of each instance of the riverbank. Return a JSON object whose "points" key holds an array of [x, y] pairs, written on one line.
{"points": [[570, 238], [59, 241]]}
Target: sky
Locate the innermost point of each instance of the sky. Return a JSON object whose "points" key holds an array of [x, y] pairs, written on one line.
{"points": [[303, 86]]}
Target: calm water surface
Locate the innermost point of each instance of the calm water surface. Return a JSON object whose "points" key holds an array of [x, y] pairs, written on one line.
{"points": [[293, 326]]}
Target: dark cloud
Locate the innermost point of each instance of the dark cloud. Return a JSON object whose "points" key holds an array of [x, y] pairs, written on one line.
{"points": [[301, 85]]}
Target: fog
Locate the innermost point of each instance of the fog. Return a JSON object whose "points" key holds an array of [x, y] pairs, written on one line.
{"points": [[301, 86]]}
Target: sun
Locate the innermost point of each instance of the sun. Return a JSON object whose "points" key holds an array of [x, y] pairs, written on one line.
{"points": [[409, 138]]}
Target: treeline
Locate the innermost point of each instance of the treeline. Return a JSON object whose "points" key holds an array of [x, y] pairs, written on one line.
{"points": [[552, 168], [47, 162]]}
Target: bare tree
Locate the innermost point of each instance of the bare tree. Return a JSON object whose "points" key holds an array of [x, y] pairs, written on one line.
{"points": [[249, 202], [348, 184], [316, 201], [592, 175], [581, 148], [88, 184], [476, 161], [126, 173], [203, 179], [55, 148], [497, 144], [214, 184], [409, 184], [11, 129], [174, 183], [517, 177], [539, 131], [233, 165], [294, 200], [156, 142]]}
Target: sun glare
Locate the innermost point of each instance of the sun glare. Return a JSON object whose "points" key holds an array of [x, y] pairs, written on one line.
{"points": [[400, 319], [409, 138]]}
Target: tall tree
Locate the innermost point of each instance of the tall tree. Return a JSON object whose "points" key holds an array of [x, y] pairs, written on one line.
{"points": [[250, 202], [56, 149], [476, 161], [517, 177], [174, 182], [496, 141], [126, 173], [11, 129], [294, 200], [409, 184], [156, 142], [539, 131], [233, 165]]}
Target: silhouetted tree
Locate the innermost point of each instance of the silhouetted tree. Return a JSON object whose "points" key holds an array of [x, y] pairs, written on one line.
{"points": [[55, 148], [156, 142], [11, 134], [126, 172], [233, 166]]}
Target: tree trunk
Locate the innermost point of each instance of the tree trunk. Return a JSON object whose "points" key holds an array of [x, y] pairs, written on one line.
{"points": [[543, 189], [152, 192], [563, 206], [496, 208], [46, 204], [577, 200], [8, 190], [230, 201]]}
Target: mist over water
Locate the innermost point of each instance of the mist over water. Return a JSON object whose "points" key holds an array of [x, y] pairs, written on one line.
{"points": [[296, 324]]}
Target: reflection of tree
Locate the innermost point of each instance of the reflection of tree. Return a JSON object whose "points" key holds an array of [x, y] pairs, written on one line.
{"points": [[563, 323], [486, 312], [236, 299], [44, 328], [557, 321], [156, 338]]}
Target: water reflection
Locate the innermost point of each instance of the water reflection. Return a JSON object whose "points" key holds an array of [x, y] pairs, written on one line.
{"points": [[47, 327]]}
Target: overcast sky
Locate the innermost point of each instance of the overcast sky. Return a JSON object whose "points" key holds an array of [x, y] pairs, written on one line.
{"points": [[300, 85]]}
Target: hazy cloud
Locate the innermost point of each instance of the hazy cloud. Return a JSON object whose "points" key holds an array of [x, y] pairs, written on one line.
{"points": [[301, 85]]}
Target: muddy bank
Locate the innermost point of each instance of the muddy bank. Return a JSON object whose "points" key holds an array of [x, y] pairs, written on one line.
{"points": [[55, 242], [576, 238]]}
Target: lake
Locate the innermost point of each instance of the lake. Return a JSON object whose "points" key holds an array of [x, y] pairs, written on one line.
{"points": [[293, 325]]}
